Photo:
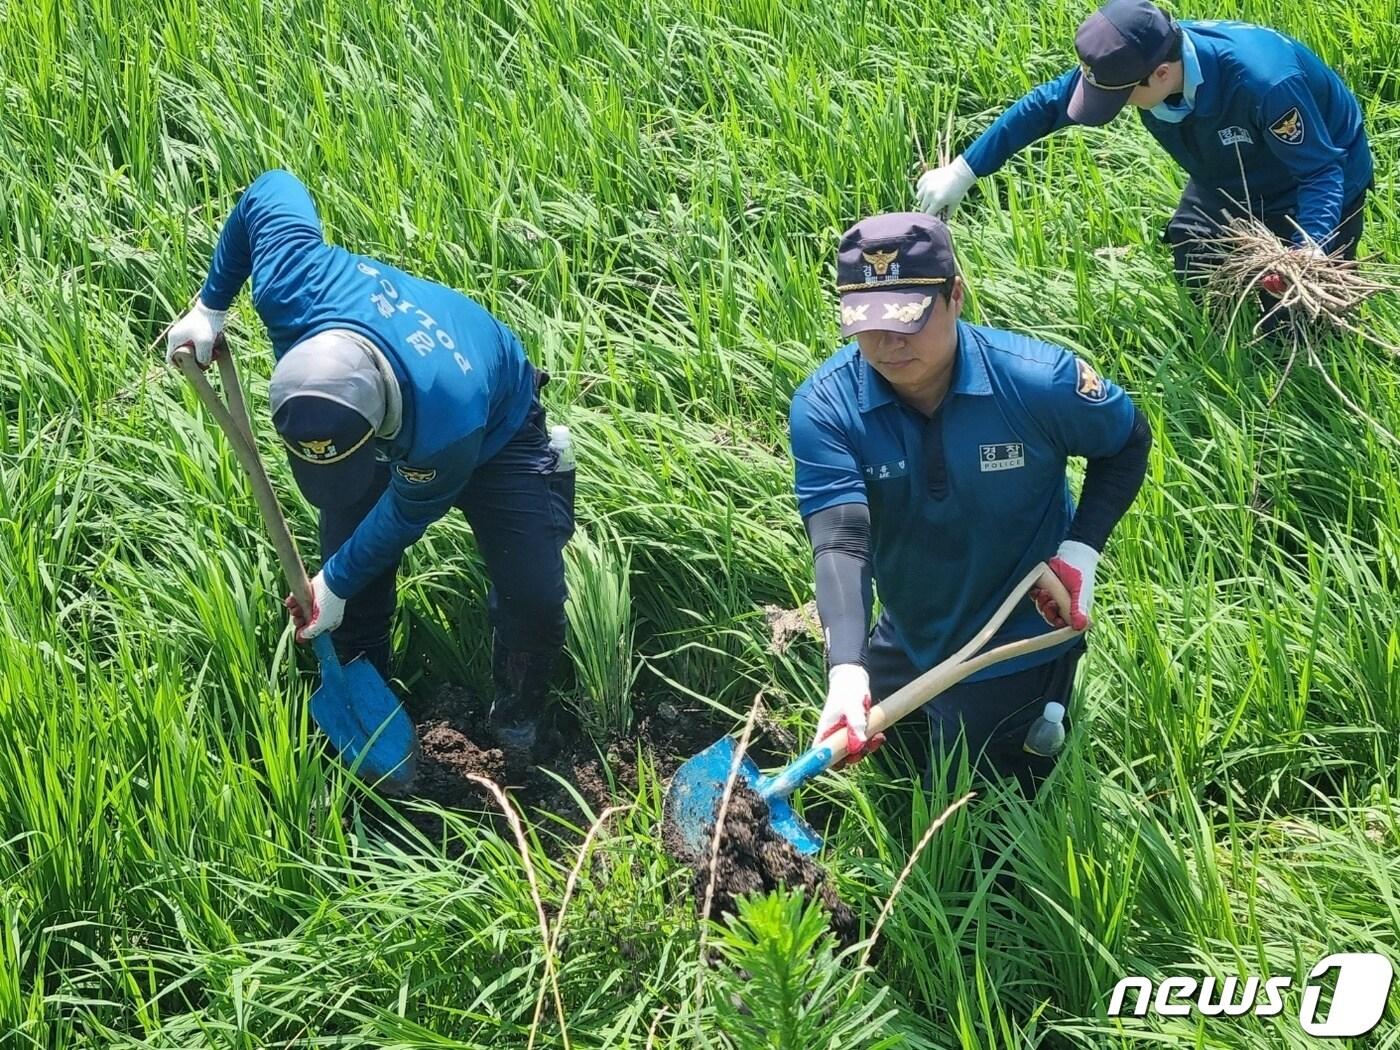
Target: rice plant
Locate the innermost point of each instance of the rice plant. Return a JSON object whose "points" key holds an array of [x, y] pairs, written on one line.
{"points": [[601, 633]]}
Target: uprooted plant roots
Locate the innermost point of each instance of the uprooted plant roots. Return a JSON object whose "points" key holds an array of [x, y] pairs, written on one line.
{"points": [[754, 858], [1310, 295]]}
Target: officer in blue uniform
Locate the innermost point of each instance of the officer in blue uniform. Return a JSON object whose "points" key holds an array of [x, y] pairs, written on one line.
{"points": [[1256, 119], [398, 399], [930, 459]]}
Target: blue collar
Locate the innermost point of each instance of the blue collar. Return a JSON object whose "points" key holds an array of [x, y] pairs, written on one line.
{"points": [[1191, 80], [969, 375]]}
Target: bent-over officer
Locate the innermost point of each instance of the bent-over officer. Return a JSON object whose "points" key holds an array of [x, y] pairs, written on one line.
{"points": [[1258, 121], [397, 400], [930, 460]]}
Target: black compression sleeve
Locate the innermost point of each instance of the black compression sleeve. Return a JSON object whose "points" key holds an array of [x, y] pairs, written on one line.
{"points": [[1110, 486], [840, 538]]}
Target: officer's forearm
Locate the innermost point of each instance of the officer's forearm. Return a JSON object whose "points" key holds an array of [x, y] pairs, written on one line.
{"points": [[231, 264], [1320, 207], [1110, 486], [379, 541], [840, 538], [274, 220], [1035, 115]]}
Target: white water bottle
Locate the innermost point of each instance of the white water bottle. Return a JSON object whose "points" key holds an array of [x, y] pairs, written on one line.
{"points": [[1047, 735], [563, 446]]}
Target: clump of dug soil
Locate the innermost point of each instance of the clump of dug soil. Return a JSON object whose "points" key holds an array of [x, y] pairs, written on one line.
{"points": [[455, 743], [754, 858]]}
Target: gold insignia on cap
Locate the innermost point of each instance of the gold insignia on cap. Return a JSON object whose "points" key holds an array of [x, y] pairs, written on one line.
{"points": [[323, 450], [880, 261], [907, 312], [852, 314]]}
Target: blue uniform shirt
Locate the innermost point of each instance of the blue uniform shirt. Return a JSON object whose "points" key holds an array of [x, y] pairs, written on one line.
{"points": [[962, 504], [465, 380], [1264, 103]]}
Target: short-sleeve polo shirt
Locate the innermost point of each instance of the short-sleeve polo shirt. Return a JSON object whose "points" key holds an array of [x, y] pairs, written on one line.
{"points": [[964, 502]]}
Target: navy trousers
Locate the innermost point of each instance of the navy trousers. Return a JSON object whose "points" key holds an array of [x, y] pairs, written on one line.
{"points": [[521, 511], [990, 717]]}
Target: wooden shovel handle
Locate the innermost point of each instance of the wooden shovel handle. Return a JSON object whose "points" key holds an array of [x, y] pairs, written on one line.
{"points": [[234, 422], [963, 663], [831, 750]]}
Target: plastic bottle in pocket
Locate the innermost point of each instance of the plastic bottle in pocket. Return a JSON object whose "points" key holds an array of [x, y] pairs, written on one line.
{"points": [[563, 445], [1047, 735]]}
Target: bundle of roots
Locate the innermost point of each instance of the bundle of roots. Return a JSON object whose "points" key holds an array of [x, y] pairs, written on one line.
{"points": [[1308, 295], [1321, 291]]}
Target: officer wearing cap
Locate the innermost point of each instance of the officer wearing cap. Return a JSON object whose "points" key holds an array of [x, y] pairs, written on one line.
{"points": [[930, 461], [1255, 118], [398, 399]]}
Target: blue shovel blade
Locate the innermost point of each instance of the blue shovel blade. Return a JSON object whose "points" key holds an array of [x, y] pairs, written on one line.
{"points": [[790, 826], [365, 723], [693, 800]]}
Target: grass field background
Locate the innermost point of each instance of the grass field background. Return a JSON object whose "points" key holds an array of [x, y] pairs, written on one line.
{"points": [[651, 194]]}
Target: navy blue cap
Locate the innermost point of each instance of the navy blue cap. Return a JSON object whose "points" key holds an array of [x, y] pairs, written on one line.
{"points": [[1119, 45], [330, 448], [328, 399], [888, 270]]}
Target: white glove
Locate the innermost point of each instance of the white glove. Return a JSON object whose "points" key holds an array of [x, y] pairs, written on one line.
{"points": [[198, 329], [848, 707], [1065, 594], [327, 610], [940, 189]]}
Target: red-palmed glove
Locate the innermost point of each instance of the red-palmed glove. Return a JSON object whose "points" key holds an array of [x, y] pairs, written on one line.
{"points": [[1275, 283], [848, 707], [327, 610], [1065, 593]]}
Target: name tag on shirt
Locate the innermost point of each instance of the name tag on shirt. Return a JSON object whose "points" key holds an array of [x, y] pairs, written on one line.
{"points": [[1007, 455], [886, 471]]}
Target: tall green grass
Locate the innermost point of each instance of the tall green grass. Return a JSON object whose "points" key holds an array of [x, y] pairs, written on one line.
{"points": [[651, 197]]}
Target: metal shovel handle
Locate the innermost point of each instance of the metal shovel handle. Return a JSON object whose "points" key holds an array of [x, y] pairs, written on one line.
{"points": [[233, 420]]}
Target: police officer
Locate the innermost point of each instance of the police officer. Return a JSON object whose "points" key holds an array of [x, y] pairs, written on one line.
{"points": [[930, 459], [1255, 118], [398, 399]]}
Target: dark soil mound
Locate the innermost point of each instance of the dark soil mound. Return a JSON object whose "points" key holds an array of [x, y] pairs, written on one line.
{"points": [[455, 742], [753, 858]]}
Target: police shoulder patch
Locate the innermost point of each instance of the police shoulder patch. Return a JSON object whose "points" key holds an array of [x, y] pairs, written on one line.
{"points": [[1090, 385], [1289, 127], [416, 475]]}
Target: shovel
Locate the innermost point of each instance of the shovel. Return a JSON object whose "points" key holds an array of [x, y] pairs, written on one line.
{"points": [[368, 727], [696, 791]]}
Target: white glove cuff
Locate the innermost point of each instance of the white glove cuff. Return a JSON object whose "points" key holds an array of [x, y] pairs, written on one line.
{"points": [[215, 317], [964, 171], [320, 587], [849, 676], [1080, 555]]}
